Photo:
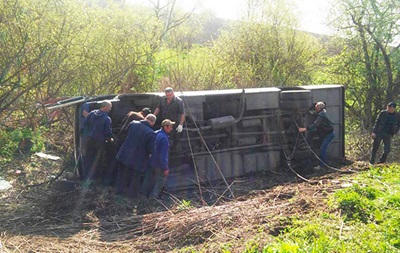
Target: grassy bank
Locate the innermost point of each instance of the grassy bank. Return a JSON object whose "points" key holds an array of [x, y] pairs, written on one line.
{"points": [[364, 216]]}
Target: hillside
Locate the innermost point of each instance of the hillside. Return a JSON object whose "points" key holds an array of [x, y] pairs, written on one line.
{"points": [[44, 219]]}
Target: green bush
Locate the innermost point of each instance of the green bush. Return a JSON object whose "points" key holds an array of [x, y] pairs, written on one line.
{"points": [[394, 201], [391, 228], [20, 140], [356, 202]]}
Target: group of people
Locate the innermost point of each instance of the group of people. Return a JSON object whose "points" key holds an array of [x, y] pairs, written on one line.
{"points": [[142, 153], [386, 126]]}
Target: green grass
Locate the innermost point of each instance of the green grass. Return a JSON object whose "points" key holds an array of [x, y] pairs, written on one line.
{"points": [[364, 218]]}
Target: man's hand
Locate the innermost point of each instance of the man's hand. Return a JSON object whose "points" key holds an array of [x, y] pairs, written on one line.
{"points": [[373, 135], [302, 129], [179, 129], [166, 172]]}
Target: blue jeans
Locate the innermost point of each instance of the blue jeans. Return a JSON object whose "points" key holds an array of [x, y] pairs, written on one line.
{"points": [[324, 148]]}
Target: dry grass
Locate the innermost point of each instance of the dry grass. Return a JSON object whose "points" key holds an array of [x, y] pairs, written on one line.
{"points": [[43, 219]]}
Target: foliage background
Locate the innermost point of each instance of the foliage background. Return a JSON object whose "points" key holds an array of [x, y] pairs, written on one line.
{"points": [[55, 49]]}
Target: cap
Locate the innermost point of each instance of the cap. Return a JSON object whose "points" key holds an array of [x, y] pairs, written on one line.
{"points": [[167, 122], [146, 111], [392, 104]]}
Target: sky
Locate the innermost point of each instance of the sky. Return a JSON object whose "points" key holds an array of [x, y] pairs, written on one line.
{"points": [[313, 13]]}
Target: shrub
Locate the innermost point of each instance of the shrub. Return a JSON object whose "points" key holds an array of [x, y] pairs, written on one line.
{"points": [[20, 140], [355, 202]]}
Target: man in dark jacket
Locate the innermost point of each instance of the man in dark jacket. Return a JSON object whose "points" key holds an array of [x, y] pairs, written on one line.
{"points": [[158, 169], [324, 128], [99, 133], [171, 107], [387, 124], [134, 154]]}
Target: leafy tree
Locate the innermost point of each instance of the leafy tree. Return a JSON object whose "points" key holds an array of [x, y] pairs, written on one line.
{"points": [[117, 53], [64, 48], [265, 49], [369, 62], [268, 49], [26, 53]]}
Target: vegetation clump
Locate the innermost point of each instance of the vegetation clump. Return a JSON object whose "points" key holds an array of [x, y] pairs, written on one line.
{"points": [[362, 218]]}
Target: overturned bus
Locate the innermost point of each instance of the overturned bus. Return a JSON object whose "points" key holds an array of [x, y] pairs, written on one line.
{"points": [[231, 133]]}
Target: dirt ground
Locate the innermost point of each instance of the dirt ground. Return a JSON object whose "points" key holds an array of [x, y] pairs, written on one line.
{"points": [[44, 218]]}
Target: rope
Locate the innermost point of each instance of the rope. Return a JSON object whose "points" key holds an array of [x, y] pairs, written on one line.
{"points": [[290, 157], [297, 174], [208, 150], [195, 167], [319, 159]]}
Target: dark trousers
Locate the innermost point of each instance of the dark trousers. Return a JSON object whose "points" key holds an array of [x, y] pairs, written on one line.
{"points": [[154, 182], [110, 172], [148, 182], [93, 159], [387, 140], [128, 181]]}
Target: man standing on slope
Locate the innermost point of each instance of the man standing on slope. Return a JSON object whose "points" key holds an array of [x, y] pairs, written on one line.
{"points": [[387, 124]]}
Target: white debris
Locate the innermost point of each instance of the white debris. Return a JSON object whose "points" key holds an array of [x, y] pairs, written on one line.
{"points": [[46, 156], [4, 185]]}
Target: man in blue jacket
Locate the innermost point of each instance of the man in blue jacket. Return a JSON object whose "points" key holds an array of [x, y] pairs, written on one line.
{"points": [[387, 124], [99, 132], [133, 155], [158, 169], [324, 128]]}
